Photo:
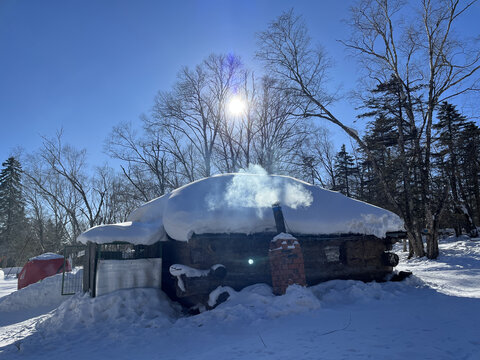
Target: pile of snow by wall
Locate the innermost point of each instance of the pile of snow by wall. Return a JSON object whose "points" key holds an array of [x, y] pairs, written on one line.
{"points": [[47, 292], [257, 302], [241, 203], [143, 307]]}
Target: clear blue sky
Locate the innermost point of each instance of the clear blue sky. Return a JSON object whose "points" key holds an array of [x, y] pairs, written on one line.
{"points": [[88, 65]]}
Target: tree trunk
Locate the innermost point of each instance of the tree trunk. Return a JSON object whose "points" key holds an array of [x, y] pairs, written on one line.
{"points": [[415, 240]]}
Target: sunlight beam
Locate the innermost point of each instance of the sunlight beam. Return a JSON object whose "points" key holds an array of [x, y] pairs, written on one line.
{"points": [[236, 106]]}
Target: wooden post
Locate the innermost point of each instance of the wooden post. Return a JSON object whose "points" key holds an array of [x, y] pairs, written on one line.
{"points": [[86, 269], [93, 268], [90, 268]]}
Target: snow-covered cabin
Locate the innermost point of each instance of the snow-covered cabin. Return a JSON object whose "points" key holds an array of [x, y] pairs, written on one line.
{"points": [[222, 227]]}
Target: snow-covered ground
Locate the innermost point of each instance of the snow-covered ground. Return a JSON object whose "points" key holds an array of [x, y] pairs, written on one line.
{"points": [[7, 285], [432, 315], [456, 272]]}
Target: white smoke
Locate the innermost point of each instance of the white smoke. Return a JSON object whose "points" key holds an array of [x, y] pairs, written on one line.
{"points": [[254, 188]]}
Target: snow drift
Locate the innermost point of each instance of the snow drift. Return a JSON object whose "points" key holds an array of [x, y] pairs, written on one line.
{"points": [[241, 203], [47, 292], [132, 307]]}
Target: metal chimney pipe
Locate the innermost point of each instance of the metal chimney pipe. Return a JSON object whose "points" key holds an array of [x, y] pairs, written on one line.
{"points": [[279, 220]]}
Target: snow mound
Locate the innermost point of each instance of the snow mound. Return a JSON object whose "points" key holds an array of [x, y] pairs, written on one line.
{"points": [[241, 203], [343, 292], [257, 302], [2, 274], [141, 307], [45, 293]]}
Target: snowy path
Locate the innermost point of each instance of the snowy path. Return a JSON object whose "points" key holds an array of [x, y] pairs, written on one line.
{"points": [[456, 272], [7, 286], [9, 334], [432, 315]]}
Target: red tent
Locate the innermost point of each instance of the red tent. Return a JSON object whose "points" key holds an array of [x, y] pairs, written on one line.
{"points": [[40, 267]]}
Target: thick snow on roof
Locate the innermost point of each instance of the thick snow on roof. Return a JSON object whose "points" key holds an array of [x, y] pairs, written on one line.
{"points": [[241, 203], [131, 232], [46, 256], [144, 226]]}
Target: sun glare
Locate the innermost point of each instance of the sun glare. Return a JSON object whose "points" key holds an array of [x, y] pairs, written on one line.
{"points": [[236, 106]]}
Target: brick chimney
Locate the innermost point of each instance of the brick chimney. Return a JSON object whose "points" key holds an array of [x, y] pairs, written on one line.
{"points": [[286, 258]]}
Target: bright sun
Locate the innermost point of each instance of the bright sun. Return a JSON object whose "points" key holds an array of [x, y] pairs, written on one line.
{"points": [[236, 106]]}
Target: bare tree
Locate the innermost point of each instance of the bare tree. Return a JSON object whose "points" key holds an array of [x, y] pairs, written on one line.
{"points": [[278, 133], [49, 221], [146, 157], [61, 176], [288, 54], [322, 150], [234, 145], [430, 65], [119, 202], [195, 108], [449, 71]]}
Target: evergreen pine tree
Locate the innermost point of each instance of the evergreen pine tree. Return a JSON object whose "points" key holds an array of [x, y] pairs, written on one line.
{"points": [[381, 139], [448, 132], [344, 172], [390, 138], [469, 165], [12, 211]]}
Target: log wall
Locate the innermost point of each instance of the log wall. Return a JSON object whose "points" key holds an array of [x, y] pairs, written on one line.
{"points": [[358, 257]]}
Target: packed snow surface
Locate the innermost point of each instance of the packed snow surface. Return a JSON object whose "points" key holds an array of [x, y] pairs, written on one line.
{"points": [[431, 315], [241, 203], [456, 271], [8, 284]]}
